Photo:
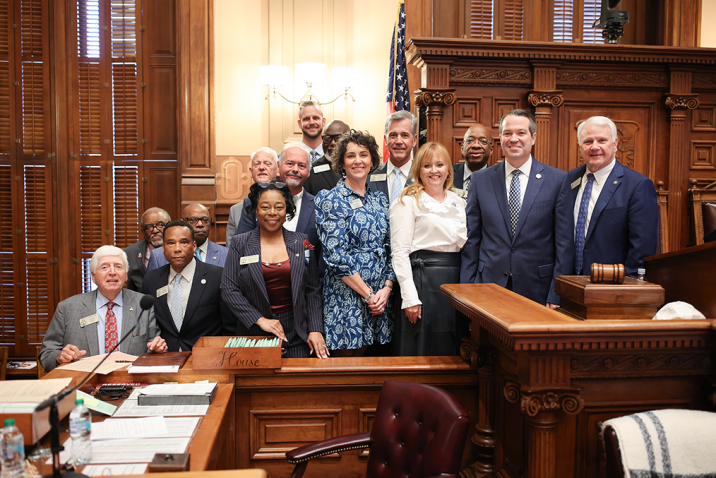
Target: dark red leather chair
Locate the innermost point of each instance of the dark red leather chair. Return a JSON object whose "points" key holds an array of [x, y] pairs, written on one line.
{"points": [[419, 431]]}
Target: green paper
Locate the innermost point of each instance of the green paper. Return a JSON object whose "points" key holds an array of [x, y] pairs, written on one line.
{"points": [[96, 405]]}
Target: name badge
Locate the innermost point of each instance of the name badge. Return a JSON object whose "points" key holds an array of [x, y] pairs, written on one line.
{"points": [[249, 260], [378, 177], [356, 204], [576, 183], [321, 168], [84, 321], [162, 291]]}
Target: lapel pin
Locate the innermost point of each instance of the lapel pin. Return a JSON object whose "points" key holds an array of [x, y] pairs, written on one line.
{"points": [[538, 176], [214, 257], [616, 182], [297, 255], [203, 281], [131, 308], [139, 255]]}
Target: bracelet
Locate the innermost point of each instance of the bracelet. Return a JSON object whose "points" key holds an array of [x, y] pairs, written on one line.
{"points": [[388, 285], [370, 296]]}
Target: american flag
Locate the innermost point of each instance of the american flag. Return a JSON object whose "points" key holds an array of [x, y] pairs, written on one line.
{"points": [[398, 97]]}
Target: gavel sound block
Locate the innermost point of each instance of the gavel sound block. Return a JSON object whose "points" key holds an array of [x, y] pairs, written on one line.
{"points": [[632, 299]]}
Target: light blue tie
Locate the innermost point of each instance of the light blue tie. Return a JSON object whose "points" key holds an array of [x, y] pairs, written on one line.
{"points": [[177, 305], [515, 200], [397, 187], [197, 254], [581, 225], [314, 155]]}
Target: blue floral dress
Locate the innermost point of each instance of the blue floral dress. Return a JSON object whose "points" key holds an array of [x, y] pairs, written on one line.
{"points": [[355, 240]]}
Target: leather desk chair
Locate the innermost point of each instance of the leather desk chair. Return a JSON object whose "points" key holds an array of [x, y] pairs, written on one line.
{"points": [[418, 431]]}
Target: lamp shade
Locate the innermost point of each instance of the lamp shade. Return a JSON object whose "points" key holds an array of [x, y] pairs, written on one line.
{"points": [[311, 73], [273, 75]]}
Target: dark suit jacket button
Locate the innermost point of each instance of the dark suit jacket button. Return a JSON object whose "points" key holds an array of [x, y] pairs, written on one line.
{"points": [[505, 274], [513, 251]]}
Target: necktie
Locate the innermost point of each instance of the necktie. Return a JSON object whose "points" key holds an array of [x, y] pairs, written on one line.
{"points": [[314, 156], [197, 254], [581, 224], [466, 183], [515, 200], [147, 256], [397, 187], [110, 328], [177, 306]]}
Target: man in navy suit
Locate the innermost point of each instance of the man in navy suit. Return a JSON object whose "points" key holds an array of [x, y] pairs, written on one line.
{"points": [[519, 221], [293, 169], [476, 149], [188, 301], [401, 135], [207, 251], [615, 209]]}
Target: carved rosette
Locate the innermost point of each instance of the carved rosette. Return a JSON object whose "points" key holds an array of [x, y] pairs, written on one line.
{"points": [[434, 98], [546, 99], [534, 403], [512, 392], [474, 356], [682, 102]]}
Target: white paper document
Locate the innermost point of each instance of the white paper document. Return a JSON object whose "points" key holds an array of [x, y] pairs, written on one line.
{"points": [[87, 365], [153, 369], [115, 470], [179, 389], [113, 429], [31, 391], [130, 408], [128, 451], [181, 426]]}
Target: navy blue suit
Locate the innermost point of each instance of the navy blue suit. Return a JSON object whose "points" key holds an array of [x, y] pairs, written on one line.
{"points": [[623, 225], [542, 248], [215, 255], [458, 172], [383, 186]]}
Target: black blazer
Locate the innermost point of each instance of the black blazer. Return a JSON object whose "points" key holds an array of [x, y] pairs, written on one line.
{"points": [[135, 258], [319, 181], [205, 315], [244, 290]]}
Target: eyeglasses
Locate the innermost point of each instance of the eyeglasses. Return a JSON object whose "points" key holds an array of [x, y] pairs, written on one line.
{"points": [[329, 138], [193, 220], [149, 227], [266, 184], [482, 141]]}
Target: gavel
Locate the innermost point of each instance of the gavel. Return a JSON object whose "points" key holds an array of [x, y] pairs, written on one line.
{"points": [[613, 273]]}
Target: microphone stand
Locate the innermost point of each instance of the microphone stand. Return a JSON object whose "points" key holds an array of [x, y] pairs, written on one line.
{"points": [[54, 400]]}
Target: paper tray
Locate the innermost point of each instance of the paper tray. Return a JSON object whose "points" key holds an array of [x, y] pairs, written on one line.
{"points": [[210, 354]]}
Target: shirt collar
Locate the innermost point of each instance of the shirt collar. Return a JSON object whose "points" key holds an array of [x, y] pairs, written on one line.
{"points": [[524, 169], [319, 149], [466, 173], [187, 273], [102, 300], [405, 169], [299, 196], [601, 175]]}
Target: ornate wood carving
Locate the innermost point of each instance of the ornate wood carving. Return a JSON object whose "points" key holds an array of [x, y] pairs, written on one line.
{"points": [[704, 81], [533, 403], [490, 76], [612, 79], [435, 98], [640, 365], [682, 102], [539, 98]]}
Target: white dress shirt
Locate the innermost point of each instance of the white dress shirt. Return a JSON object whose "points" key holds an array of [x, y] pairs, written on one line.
{"points": [[390, 177], [100, 304], [467, 176], [187, 277], [434, 226], [203, 250], [293, 223], [600, 179], [524, 178], [318, 150]]}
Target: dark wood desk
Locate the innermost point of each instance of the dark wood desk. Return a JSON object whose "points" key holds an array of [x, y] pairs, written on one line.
{"points": [[547, 381]]}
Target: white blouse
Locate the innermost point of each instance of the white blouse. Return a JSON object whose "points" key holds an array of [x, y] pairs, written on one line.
{"points": [[435, 226]]}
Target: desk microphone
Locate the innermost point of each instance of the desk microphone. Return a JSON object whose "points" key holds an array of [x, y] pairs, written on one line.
{"points": [[145, 303]]}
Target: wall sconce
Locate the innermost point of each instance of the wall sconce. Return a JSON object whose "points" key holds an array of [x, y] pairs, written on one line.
{"points": [[275, 76]]}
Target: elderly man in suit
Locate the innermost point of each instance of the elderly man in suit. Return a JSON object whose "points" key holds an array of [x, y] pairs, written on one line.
{"points": [[264, 168], [322, 175], [207, 251], [94, 322], [476, 150], [401, 135], [615, 209], [138, 254], [187, 291], [519, 221]]}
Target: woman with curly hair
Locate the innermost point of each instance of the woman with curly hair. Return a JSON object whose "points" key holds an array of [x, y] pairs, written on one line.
{"points": [[270, 279], [429, 229], [353, 226]]}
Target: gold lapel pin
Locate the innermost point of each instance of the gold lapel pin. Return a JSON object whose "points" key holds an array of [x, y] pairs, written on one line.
{"points": [[616, 182], [131, 308]]}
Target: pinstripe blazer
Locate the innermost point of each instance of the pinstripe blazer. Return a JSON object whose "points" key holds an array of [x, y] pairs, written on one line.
{"points": [[65, 327], [244, 290]]}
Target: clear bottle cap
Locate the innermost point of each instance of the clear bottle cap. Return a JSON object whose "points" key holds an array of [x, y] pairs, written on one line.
{"points": [[641, 271]]}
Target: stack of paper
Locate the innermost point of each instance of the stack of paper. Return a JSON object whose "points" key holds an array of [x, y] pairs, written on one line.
{"points": [[115, 361], [22, 393]]}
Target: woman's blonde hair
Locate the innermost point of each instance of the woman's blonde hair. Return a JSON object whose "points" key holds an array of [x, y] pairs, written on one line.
{"points": [[427, 152]]}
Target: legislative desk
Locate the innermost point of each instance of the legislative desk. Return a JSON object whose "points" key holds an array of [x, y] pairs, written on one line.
{"points": [[547, 380]]}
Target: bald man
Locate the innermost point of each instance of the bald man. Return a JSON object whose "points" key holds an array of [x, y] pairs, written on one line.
{"points": [[197, 215]]}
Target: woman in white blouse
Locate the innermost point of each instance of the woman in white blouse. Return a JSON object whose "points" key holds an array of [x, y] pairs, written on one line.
{"points": [[428, 229]]}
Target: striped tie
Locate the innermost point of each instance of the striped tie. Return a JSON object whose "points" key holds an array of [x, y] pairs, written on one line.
{"points": [[177, 306]]}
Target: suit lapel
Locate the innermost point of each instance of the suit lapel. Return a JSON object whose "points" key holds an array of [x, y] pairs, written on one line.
{"points": [[533, 186], [304, 215], [296, 258], [130, 311], [197, 290], [89, 307], [610, 187], [253, 247], [580, 175], [161, 302], [498, 182]]}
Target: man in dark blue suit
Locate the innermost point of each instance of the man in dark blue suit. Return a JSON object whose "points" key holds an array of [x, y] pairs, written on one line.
{"points": [[206, 251], [188, 301], [519, 222], [615, 209], [476, 150], [294, 169], [401, 135]]}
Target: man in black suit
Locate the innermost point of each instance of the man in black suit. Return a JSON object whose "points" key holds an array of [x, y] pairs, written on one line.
{"points": [[476, 149], [138, 254], [322, 175], [187, 292]]}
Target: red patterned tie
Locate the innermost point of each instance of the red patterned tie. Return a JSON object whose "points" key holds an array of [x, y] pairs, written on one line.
{"points": [[110, 328]]}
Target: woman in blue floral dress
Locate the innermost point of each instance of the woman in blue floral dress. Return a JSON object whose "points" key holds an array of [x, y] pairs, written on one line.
{"points": [[353, 226]]}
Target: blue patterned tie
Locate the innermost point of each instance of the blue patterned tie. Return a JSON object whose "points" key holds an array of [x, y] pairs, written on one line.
{"points": [[397, 187], [197, 254], [515, 200], [177, 305], [314, 156], [581, 224]]}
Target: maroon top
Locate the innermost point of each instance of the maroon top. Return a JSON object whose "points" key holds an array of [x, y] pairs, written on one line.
{"points": [[278, 285]]}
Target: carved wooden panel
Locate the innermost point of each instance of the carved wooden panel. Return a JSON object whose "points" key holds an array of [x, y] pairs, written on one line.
{"points": [[162, 190], [502, 106], [466, 112], [365, 424], [233, 178], [161, 38], [161, 123], [274, 432], [704, 118], [491, 76], [703, 155], [612, 79], [456, 150]]}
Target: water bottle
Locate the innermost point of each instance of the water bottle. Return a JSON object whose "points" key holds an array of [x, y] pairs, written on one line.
{"points": [[80, 433], [641, 274], [12, 451]]}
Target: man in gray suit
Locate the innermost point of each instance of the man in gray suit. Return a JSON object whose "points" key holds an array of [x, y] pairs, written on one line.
{"points": [[138, 254], [264, 168], [401, 135], [94, 322]]}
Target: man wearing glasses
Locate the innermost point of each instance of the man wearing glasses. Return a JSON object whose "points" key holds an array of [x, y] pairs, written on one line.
{"points": [[322, 176], [138, 254], [476, 149], [206, 251]]}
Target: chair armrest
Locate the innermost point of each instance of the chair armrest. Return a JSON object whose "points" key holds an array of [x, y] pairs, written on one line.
{"points": [[444, 475], [326, 447]]}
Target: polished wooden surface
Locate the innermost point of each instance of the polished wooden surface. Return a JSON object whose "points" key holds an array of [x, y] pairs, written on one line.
{"points": [[548, 380], [255, 473]]}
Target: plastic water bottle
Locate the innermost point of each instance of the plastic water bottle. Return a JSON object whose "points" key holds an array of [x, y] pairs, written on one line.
{"points": [[641, 274], [80, 433], [12, 451]]}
